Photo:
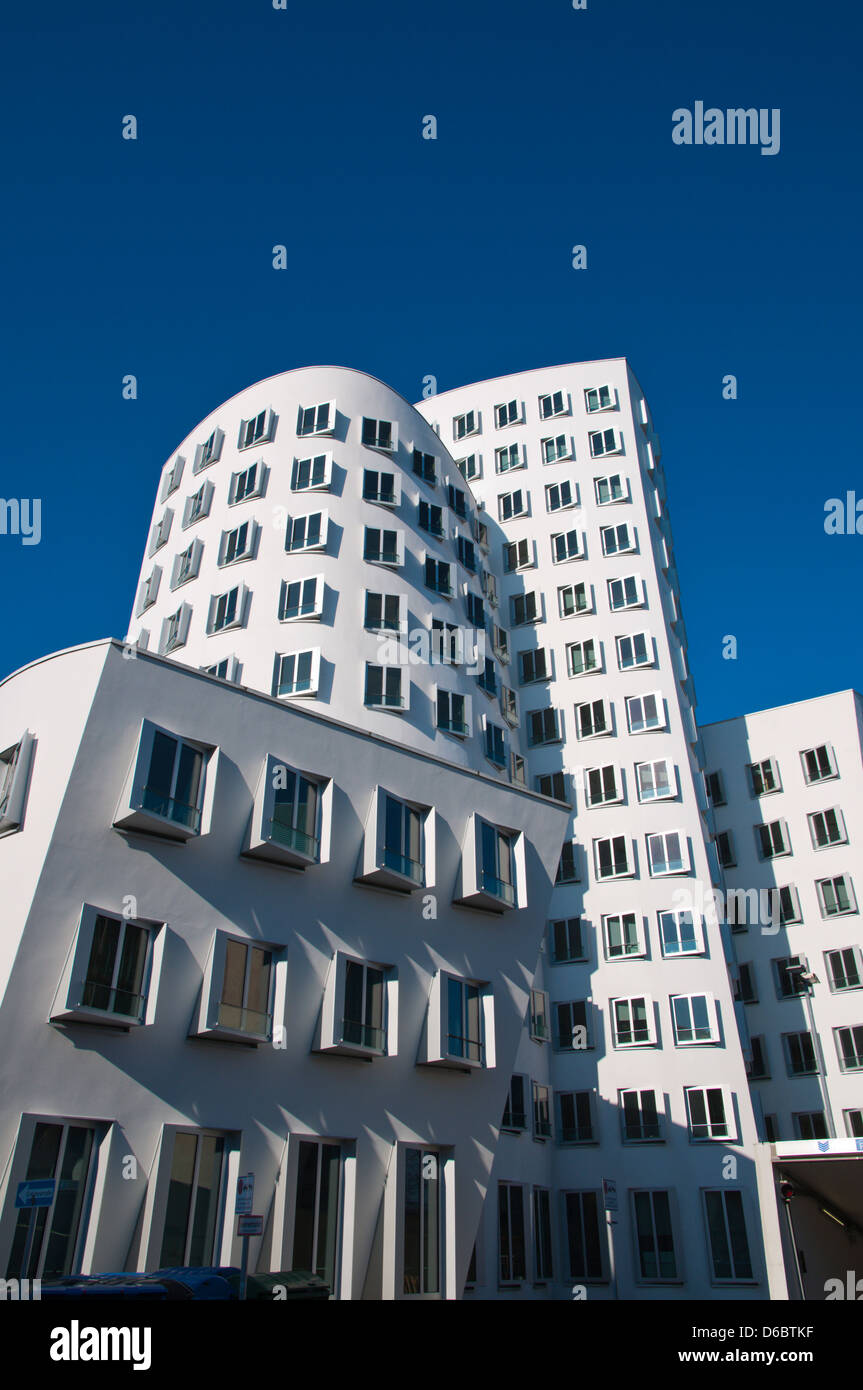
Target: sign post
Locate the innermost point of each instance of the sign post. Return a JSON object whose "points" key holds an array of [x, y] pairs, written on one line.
{"points": [[37, 1192], [242, 1209], [609, 1197]]}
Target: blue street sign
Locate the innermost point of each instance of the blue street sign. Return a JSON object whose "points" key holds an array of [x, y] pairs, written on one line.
{"points": [[38, 1192]]}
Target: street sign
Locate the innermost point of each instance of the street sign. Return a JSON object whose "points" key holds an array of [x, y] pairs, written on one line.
{"points": [[38, 1192], [609, 1193], [245, 1194], [250, 1226]]}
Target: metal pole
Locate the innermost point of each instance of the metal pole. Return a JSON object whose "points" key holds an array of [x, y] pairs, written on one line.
{"points": [[609, 1217], [819, 1057], [28, 1244], [244, 1267], [787, 1204]]}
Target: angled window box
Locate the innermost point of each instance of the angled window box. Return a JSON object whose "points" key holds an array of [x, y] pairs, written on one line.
{"points": [[291, 816], [15, 766], [359, 1000], [167, 790], [110, 972], [492, 867], [398, 845], [459, 1024], [242, 989]]}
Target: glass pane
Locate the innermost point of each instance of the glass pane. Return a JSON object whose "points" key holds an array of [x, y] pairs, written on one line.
{"points": [[189, 774], [718, 1237], [325, 1266], [206, 1200], [130, 976], [431, 1223], [69, 1200], [235, 974], [413, 1239], [100, 967], [179, 1202], [303, 1257], [44, 1153], [161, 771], [258, 998]]}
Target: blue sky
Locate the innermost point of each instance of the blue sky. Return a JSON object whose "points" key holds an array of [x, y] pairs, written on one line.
{"points": [[451, 257]]}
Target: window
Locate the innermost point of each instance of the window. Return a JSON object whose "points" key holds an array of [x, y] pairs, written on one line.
{"points": [[715, 789], [525, 609], [764, 777], [466, 553], [316, 1209], [575, 1117], [516, 769], [810, 1125], [403, 847], [654, 1236], [541, 1112], [564, 546], [554, 404], [227, 610], [555, 448], [187, 564], [307, 532], [288, 815], [613, 488], [639, 1116], [789, 976], [515, 1112], [827, 828], [559, 496], [382, 547], [621, 936], [431, 518], [50, 1238], [759, 1068], [599, 398], [384, 687], [819, 764], [15, 764], [312, 473], [464, 1021], [542, 727], [583, 1239], [507, 458], [475, 610], [422, 1222], [611, 858], [470, 467], [624, 593], [164, 791], [446, 645], [457, 501], [539, 1015], [149, 590], [572, 1026], [603, 786], [160, 533], [679, 934], [566, 940], [709, 1111], [437, 576], [297, 673], [593, 719], [301, 598], [567, 869], [694, 1018], [500, 642], [249, 482], [424, 467], [656, 781], [632, 1021], [773, 839], [800, 1054], [244, 1001], [533, 666], [497, 863], [507, 414], [258, 430], [238, 544], [725, 849], [645, 712], [115, 974], [854, 1123], [843, 968], [726, 1228], [380, 434], [362, 997], [211, 449], [836, 896], [636, 650], [495, 744], [464, 425], [488, 584], [509, 705], [617, 540], [510, 1201], [542, 1261], [572, 599], [771, 1129], [452, 713], [198, 505], [172, 478], [604, 442], [316, 419], [668, 853], [849, 1046], [512, 504]]}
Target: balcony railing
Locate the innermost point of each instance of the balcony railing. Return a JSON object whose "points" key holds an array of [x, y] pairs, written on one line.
{"points": [[358, 1034], [576, 1134], [498, 887], [122, 1002], [170, 808], [290, 837], [469, 1048], [401, 864], [244, 1020]]}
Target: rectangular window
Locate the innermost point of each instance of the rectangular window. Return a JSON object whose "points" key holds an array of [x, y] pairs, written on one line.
{"points": [[758, 1069], [226, 610], [715, 789], [525, 609], [611, 857], [379, 487], [773, 839], [836, 896], [541, 1112], [451, 713], [316, 1209], [198, 505], [495, 744], [849, 1047], [668, 853], [558, 496], [567, 869], [463, 425], [301, 598], [437, 576], [593, 719], [384, 687], [542, 1262], [599, 398], [431, 518], [555, 448], [843, 968], [854, 1124], [507, 414], [639, 1117], [508, 458], [539, 1030], [244, 1003], [624, 593], [810, 1125], [497, 863], [211, 449], [789, 972], [572, 599], [764, 777], [582, 657], [679, 934], [636, 650], [800, 1054], [515, 1113], [617, 540], [512, 504], [819, 764], [466, 553], [61, 1152], [603, 785], [645, 712], [247, 483], [475, 610], [709, 1112], [457, 501], [571, 1026], [422, 1222], [238, 544], [654, 1235], [656, 781], [115, 977], [583, 1239], [621, 936], [567, 942], [517, 555], [307, 532], [382, 547], [193, 1210], [725, 849], [554, 404], [726, 1228], [379, 434], [403, 847], [543, 727], [470, 467], [298, 672], [827, 828], [613, 488], [258, 430], [295, 806], [632, 1021], [464, 1021], [576, 1117], [174, 782], [747, 990], [604, 442], [694, 1018], [564, 546], [311, 473], [533, 666], [316, 419], [512, 1265]]}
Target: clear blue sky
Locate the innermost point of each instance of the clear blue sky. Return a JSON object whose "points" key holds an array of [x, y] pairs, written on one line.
{"points": [[409, 257]]}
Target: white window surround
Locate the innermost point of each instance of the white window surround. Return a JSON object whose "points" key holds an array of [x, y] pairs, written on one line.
{"points": [[681, 934], [175, 630], [304, 688], [594, 719], [83, 1001], [611, 490], [384, 441], [635, 650], [478, 884], [207, 1022], [392, 700], [308, 610], [656, 781], [618, 858], [302, 844], [172, 478], [623, 936], [465, 425], [155, 1203], [393, 1277], [642, 710], [364, 1039], [387, 497], [820, 761], [668, 853], [312, 473], [605, 442], [319, 420], [632, 1028], [197, 506], [299, 528], [509, 458], [618, 540], [436, 1045], [210, 451], [695, 1019], [388, 558], [16, 763], [149, 590], [399, 624], [247, 534], [255, 487], [626, 591], [556, 448], [384, 865], [600, 398], [554, 404], [145, 808], [258, 429], [187, 564], [160, 532], [508, 413], [821, 822], [603, 785], [221, 605]]}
